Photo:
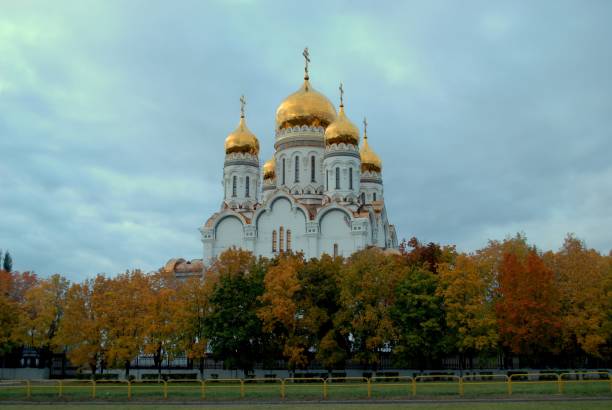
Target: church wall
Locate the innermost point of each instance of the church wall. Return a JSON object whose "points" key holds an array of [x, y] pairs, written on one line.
{"points": [[336, 229], [281, 214], [228, 233]]}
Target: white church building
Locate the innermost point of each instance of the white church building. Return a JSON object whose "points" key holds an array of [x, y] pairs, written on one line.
{"points": [[321, 192]]}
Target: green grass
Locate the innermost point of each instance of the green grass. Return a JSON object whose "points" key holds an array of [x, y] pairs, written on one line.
{"points": [[270, 391], [574, 405]]}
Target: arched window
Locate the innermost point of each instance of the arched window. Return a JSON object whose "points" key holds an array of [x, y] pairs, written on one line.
{"points": [[288, 240], [234, 183], [274, 241], [335, 250], [350, 178], [247, 188], [281, 239], [312, 169], [297, 169], [373, 196], [337, 178]]}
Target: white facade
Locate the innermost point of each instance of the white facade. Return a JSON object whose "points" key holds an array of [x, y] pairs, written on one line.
{"points": [[306, 208]]}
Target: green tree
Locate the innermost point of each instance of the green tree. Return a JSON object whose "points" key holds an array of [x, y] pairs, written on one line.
{"points": [[233, 329], [418, 318], [7, 265]]}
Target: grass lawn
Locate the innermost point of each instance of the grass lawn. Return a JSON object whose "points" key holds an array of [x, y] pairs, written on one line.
{"points": [[575, 405]]}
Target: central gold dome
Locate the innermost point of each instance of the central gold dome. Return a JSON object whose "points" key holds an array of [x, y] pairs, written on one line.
{"points": [[342, 130], [305, 107], [242, 140]]}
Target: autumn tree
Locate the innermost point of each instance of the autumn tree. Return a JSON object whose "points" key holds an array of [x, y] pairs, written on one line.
{"points": [[122, 317], [527, 306], [80, 331], [584, 282], [40, 315], [279, 311], [9, 312], [466, 287], [232, 326]]}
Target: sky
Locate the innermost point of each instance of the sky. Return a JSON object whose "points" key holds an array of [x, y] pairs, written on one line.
{"points": [[491, 117]]}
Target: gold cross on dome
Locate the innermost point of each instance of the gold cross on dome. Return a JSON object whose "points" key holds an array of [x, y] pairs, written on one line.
{"points": [[306, 55], [365, 126], [341, 94], [242, 104]]}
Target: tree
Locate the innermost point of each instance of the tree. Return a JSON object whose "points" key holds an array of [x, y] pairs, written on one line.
{"points": [[279, 312], [9, 312], [232, 326], [466, 288], [527, 306], [41, 313], [584, 280], [7, 265], [418, 318], [122, 317], [369, 280], [80, 331]]}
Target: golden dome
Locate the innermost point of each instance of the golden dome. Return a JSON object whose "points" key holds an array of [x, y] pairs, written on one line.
{"points": [[305, 107], [242, 140], [369, 160], [269, 169], [342, 130]]}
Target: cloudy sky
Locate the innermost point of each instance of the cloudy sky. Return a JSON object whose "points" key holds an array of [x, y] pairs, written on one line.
{"points": [[491, 117]]}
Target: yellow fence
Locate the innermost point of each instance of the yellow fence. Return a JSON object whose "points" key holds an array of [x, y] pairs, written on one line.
{"points": [[353, 387]]}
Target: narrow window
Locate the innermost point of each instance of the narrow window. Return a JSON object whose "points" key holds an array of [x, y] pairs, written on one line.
{"points": [[335, 250], [283, 171], [234, 185], [297, 169], [337, 178], [312, 169], [327, 180], [350, 178], [274, 241], [288, 240], [247, 187], [363, 197], [374, 196], [281, 238]]}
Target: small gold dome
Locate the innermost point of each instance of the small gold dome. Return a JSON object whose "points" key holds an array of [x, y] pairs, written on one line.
{"points": [[369, 160], [305, 107], [342, 130], [242, 140], [269, 169]]}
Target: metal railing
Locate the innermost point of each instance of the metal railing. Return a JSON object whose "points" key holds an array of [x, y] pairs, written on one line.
{"points": [[239, 389]]}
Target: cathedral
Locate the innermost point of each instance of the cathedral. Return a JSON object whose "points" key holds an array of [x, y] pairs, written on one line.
{"points": [[321, 192]]}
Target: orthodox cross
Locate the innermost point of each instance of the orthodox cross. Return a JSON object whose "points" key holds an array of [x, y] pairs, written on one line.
{"points": [[242, 104], [341, 95], [365, 127], [306, 55]]}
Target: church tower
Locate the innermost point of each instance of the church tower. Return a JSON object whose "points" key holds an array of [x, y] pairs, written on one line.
{"points": [[341, 162], [371, 172], [241, 166]]}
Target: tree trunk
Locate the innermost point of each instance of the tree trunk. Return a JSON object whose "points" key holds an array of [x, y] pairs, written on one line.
{"points": [[127, 370]]}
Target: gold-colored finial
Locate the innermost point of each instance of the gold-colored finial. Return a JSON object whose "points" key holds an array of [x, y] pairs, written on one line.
{"points": [[341, 95], [306, 55], [242, 104], [365, 128]]}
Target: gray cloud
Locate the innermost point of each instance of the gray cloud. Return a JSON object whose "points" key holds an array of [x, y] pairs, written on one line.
{"points": [[491, 118]]}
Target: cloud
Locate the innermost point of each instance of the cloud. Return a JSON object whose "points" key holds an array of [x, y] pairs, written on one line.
{"points": [[490, 118]]}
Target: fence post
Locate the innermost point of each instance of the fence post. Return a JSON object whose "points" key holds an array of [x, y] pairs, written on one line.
{"points": [[165, 389], [560, 383], [29, 389], [369, 388], [241, 388], [129, 389], [510, 386], [324, 389], [283, 389], [61, 388], [93, 389], [413, 386]]}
